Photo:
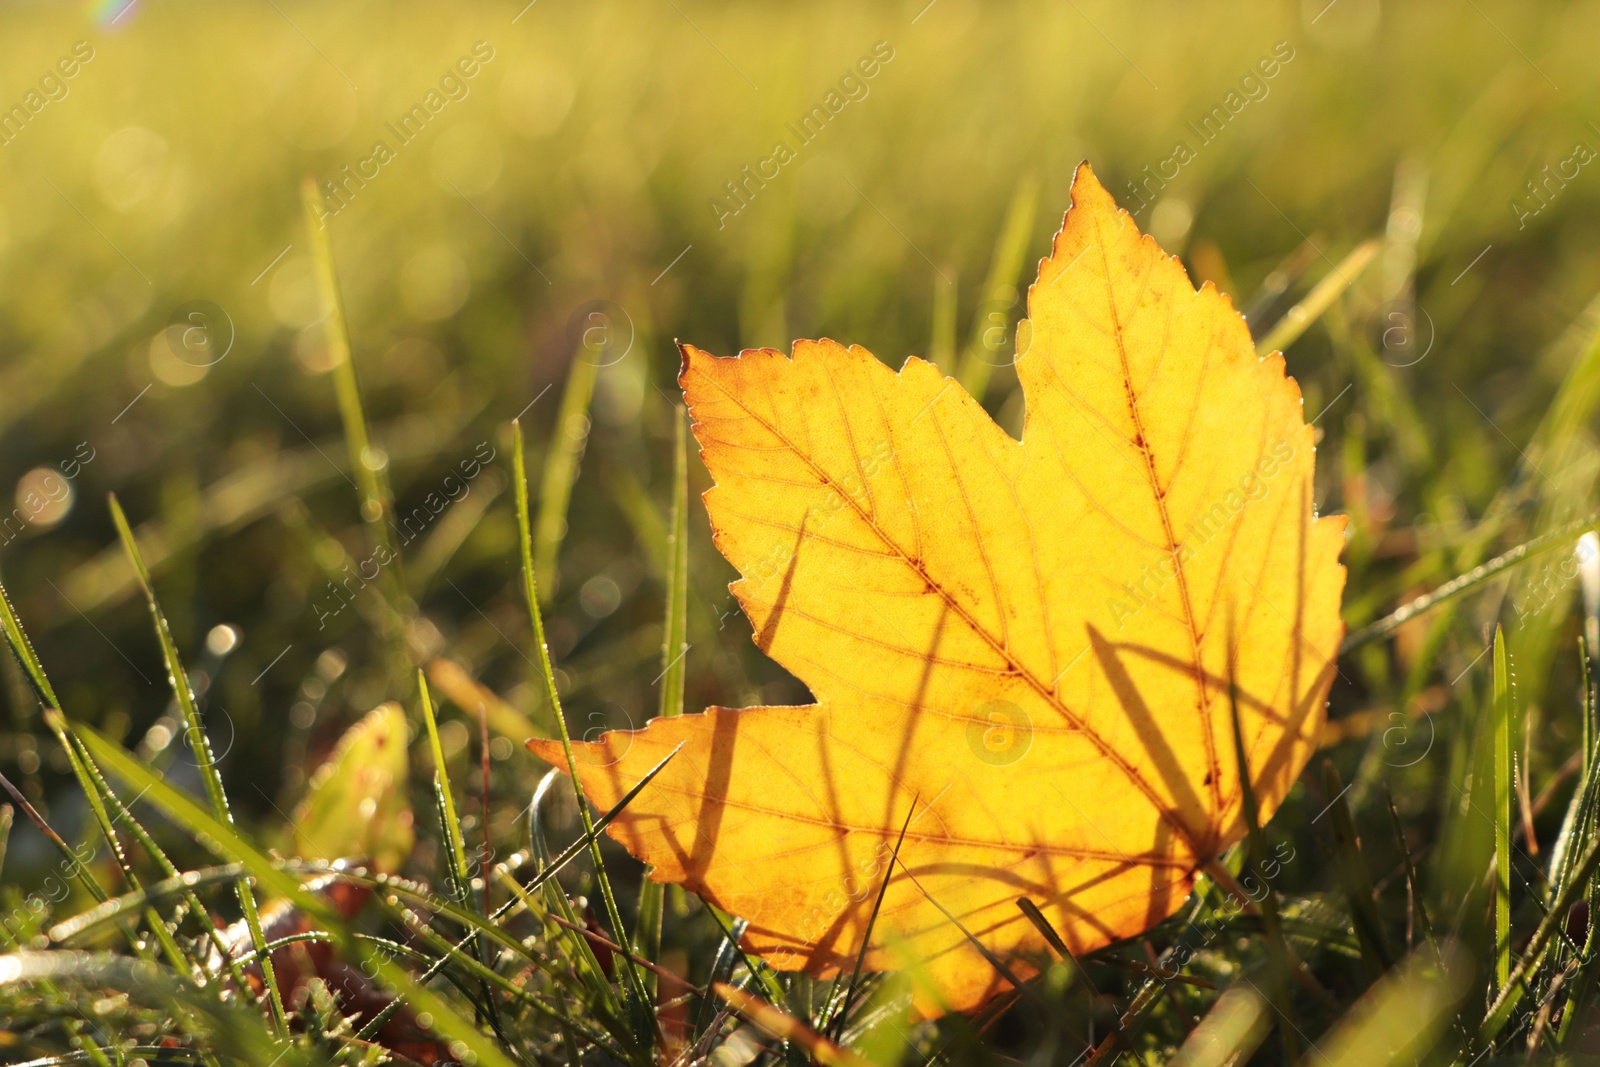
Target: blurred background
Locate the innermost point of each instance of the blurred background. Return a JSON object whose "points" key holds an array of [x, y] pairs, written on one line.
{"points": [[514, 191]]}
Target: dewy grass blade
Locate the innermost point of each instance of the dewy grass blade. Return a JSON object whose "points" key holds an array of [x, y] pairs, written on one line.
{"points": [[732, 930], [460, 875], [942, 343], [239, 1035], [571, 851], [564, 943], [120, 813], [548, 870], [644, 1017], [1256, 854], [780, 1024], [1586, 652], [1356, 878], [74, 1027], [631, 498], [84, 923], [836, 1028], [1501, 710], [92, 783], [95, 791], [221, 838], [483, 928], [72, 863], [460, 872], [674, 650], [368, 464], [1417, 914], [727, 956], [647, 929], [594, 989], [1230, 1032], [1510, 994], [674, 645], [191, 965], [201, 745], [1398, 1020], [22, 649], [990, 324], [1583, 810], [70, 859], [1295, 321], [606, 943], [1560, 537], [567, 441]]}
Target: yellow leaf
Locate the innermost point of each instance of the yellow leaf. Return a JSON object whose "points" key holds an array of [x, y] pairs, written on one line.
{"points": [[1023, 648], [356, 806]]}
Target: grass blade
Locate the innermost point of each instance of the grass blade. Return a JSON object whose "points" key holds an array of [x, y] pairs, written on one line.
{"points": [[1560, 537], [999, 292], [1048, 932], [131, 903], [457, 685], [1586, 650], [561, 467], [220, 837], [201, 745], [1577, 825], [84, 876], [22, 649], [640, 1003], [1510, 993], [1417, 910], [368, 464], [227, 1026], [778, 1023], [1232, 1030], [999, 965], [674, 648], [673, 644], [548, 869], [842, 1014], [460, 875], [1297, 319], [1256, 853], [1400, 1017], [1501, 711], [93, 789], [101, 800], [119, 813], [942, 343], [647, 929], [1356, 878], [589, 836]]}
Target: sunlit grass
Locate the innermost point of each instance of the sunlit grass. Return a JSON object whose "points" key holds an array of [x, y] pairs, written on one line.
{"points": [[1369, 208]]}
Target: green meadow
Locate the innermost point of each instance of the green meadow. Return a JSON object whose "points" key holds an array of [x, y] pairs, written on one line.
{"points": [[335, 338]]}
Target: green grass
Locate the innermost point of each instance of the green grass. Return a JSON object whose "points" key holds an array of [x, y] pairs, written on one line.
{"points": [[1423, 895]]}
